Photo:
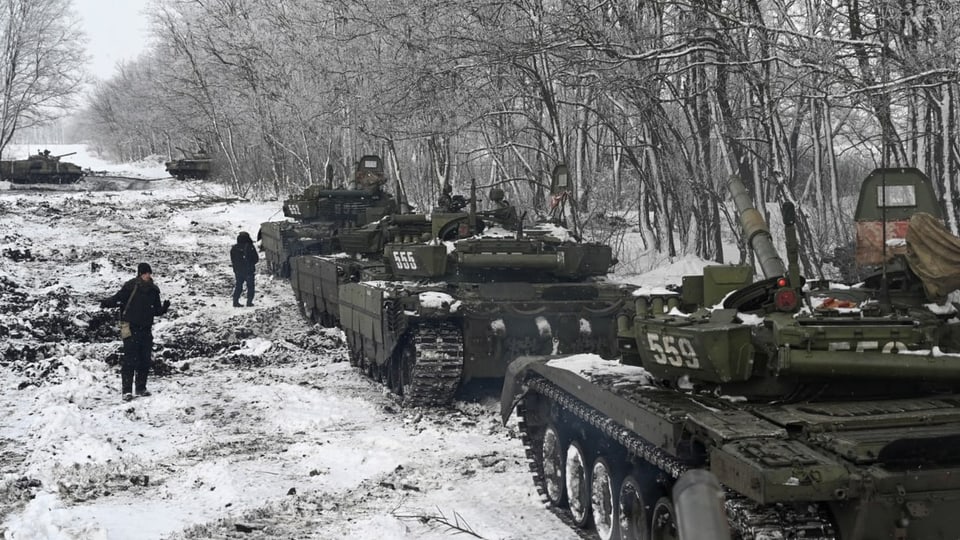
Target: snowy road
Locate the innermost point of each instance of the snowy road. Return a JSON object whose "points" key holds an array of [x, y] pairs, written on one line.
{"points": [[256, 429]]}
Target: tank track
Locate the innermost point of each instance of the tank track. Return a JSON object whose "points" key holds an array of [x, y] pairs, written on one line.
{"points": [[750, 520], [439, 366], [535, 467]]}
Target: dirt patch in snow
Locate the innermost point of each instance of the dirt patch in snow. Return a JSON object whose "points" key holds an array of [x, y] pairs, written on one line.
{"points": [[258, 427]]}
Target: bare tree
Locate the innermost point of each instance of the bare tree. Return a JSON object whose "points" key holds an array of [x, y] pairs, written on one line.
{"points": [[42, 66], [650, 103]]}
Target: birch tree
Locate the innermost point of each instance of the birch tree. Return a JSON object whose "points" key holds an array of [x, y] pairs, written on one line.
{"points": [[41, 71]]}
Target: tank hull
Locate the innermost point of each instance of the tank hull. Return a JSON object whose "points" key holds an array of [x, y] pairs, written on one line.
{"points": [[40, 171], [884, 468], [491, 323], [494, 322], [181, 169], [283, 240]]}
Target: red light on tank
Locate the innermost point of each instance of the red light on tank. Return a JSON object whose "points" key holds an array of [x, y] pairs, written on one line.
{"points": [[785, 299], [782, 282]]}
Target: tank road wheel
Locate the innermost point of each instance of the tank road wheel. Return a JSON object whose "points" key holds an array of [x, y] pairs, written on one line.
{"points": [[380, 371], [308, 312], [369, 368], [603, 499], [390, 375], [553, 466], [408, 359], [327, 320], [358, 361], [632, 510], [373, 371], [578, 484], [353, 358], [663, 524]]}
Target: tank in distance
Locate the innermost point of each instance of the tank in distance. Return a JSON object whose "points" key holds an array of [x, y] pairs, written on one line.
{"points": [[41, 168], [194, 165]]}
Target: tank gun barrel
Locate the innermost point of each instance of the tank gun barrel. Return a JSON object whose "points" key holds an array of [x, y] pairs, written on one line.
{"points": [[755, 230], [65, 155]]}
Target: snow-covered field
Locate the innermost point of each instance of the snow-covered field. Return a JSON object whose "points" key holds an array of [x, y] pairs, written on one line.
{"points": [[257, 427]]}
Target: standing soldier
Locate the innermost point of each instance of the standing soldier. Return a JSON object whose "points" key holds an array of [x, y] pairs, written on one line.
{"points": [[139, 302], [504, 212], [243, 257]]}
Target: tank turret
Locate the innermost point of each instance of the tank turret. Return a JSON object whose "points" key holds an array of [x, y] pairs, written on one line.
{"points": [[762, 338], [822, 411], [46, 155], [320, 215]]}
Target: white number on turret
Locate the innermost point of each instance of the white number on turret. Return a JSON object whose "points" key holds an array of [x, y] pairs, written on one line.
{"points": [[673, 351], [404, 260]]}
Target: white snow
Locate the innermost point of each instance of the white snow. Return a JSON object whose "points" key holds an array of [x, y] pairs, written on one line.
{"points": [[543, 326], [270, 430], [438, 300], [590, 365]]}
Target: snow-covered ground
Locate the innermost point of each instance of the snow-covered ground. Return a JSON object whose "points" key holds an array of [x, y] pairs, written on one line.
{"points": [[257, 427]]}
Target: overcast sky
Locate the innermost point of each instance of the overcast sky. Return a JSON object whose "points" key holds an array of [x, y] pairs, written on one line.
{"points": [[116, 30]]}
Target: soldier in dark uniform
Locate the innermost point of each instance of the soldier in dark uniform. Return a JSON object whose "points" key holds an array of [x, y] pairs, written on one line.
{"points": [[244, 258], [139, 302], [504, 212], [447, 202]]}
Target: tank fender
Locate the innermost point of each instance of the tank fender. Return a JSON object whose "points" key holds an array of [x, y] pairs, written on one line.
{"points": [[513, 387]]}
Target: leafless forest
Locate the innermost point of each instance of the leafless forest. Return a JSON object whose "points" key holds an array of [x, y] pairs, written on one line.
{"points": [[651, 103]]}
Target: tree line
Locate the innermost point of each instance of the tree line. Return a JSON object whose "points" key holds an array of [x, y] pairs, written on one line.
{"points": [[651, 104]]}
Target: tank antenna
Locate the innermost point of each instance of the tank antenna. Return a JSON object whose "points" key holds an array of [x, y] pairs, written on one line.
{"points": [[884, 163]]}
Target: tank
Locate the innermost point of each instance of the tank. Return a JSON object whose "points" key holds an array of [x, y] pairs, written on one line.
{"points": [[41, 168], [192, 165], [430, 302], [318, 215], [825, 411]]}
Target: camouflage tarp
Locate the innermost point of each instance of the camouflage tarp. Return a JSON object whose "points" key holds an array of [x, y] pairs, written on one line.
{"points": [[870, 241], [933, 254]]}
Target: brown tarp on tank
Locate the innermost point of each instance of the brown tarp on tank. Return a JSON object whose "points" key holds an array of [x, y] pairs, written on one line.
{"points": [[933, 254], [870, 237]]}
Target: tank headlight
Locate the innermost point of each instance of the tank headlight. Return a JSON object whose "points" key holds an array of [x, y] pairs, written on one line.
{"points": [[786, 300]]}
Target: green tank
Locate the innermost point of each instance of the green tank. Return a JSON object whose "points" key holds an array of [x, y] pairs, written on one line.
{"points": [[193, 165], [41, 168], [318, 215], [428, 302], [824, 411]]}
